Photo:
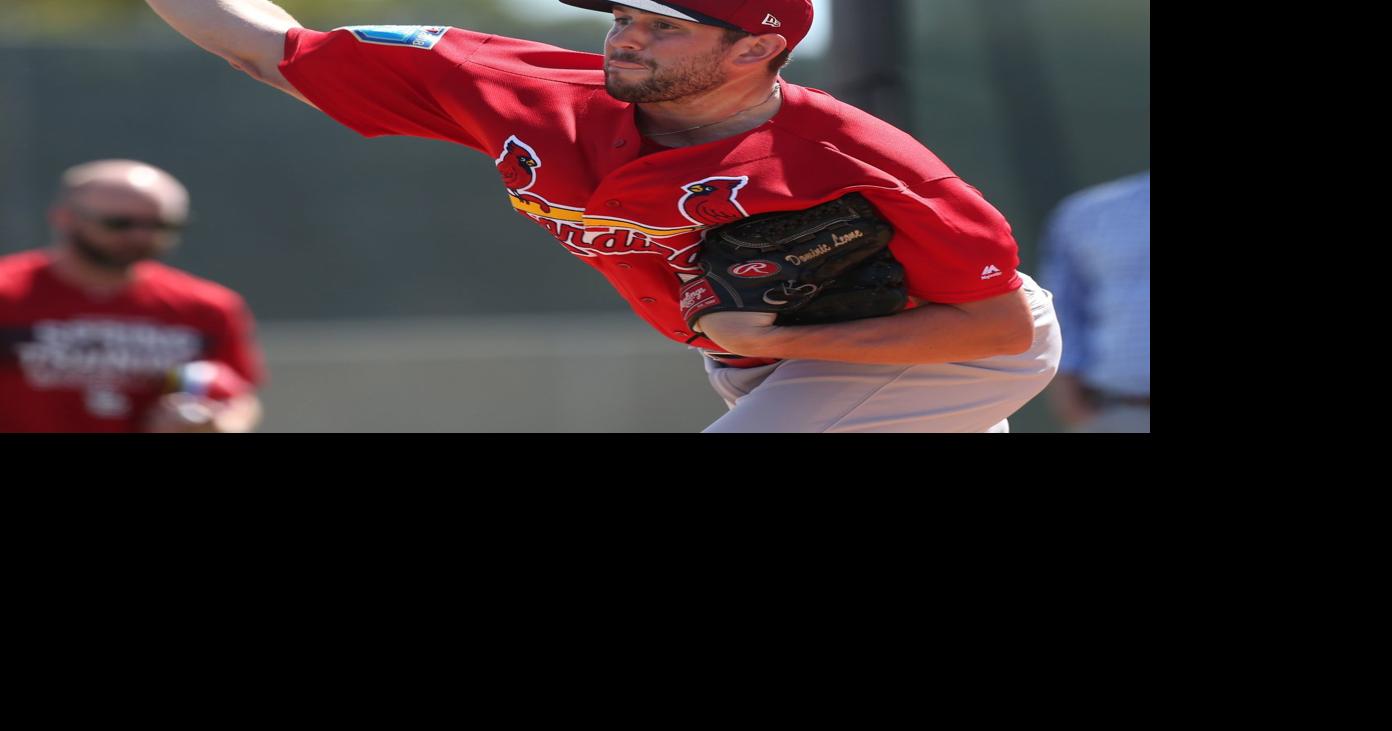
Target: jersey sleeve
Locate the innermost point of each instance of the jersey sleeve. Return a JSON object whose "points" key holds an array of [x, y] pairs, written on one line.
{"points": [[436, 82], [954, 245], [382, 80]]}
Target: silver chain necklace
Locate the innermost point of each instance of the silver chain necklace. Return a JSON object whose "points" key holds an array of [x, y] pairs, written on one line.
{"points": [[776, 88]]}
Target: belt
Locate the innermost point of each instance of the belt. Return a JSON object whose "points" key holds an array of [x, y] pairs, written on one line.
{"points": [[730, 360]]}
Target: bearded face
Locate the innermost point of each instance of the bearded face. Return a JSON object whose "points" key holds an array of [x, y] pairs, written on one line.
{"points": [[663, 79]]}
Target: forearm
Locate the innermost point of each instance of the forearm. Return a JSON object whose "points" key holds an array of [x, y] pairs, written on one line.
{"points": [[928, 334], [931, 333], [249, 34]]}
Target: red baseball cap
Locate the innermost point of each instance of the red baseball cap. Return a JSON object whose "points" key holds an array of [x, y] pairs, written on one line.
{"points": [[791, 19]]}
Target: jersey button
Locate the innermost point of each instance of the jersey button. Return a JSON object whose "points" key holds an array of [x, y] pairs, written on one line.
{"points": [[620, 142], [613, 203], [625, 266], [647, 300]]}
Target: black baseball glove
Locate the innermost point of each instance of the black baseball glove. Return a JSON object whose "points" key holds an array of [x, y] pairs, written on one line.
{"points": [[829, 263]]}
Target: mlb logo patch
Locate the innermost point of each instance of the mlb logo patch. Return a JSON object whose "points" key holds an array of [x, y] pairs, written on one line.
{"points": [[415, 36]]}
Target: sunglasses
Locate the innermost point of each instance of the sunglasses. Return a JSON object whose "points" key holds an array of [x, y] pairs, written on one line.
{"points": [[121, 224]]}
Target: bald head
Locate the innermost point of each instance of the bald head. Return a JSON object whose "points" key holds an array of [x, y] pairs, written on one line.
{"points": [[122, 181], [115, 213]]}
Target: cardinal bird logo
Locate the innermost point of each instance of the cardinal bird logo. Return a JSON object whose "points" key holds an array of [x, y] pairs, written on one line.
{"points": [[713, 201], [518, 165]]}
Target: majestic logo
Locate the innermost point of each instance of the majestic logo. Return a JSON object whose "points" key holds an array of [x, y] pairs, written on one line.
{"points": [[713, 201], [772, 22], [990, 272], [518, 165], [755, 269]]}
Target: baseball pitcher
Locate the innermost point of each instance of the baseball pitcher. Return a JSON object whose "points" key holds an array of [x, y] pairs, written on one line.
{"points": [[834, 274]]}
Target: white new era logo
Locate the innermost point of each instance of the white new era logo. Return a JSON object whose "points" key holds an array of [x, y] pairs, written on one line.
{"points": [[990, 272], [771, 21]]}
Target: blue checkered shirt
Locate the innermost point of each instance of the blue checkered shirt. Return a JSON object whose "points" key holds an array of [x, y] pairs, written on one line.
{"points": [[1096, 250]]}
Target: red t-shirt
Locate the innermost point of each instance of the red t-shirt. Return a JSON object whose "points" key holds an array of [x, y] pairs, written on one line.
{"points": [[71, 362], [572, 160]]}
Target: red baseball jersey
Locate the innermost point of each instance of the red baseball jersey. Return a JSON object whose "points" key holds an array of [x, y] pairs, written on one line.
{"points": [[72, 362], [572, 160]]}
